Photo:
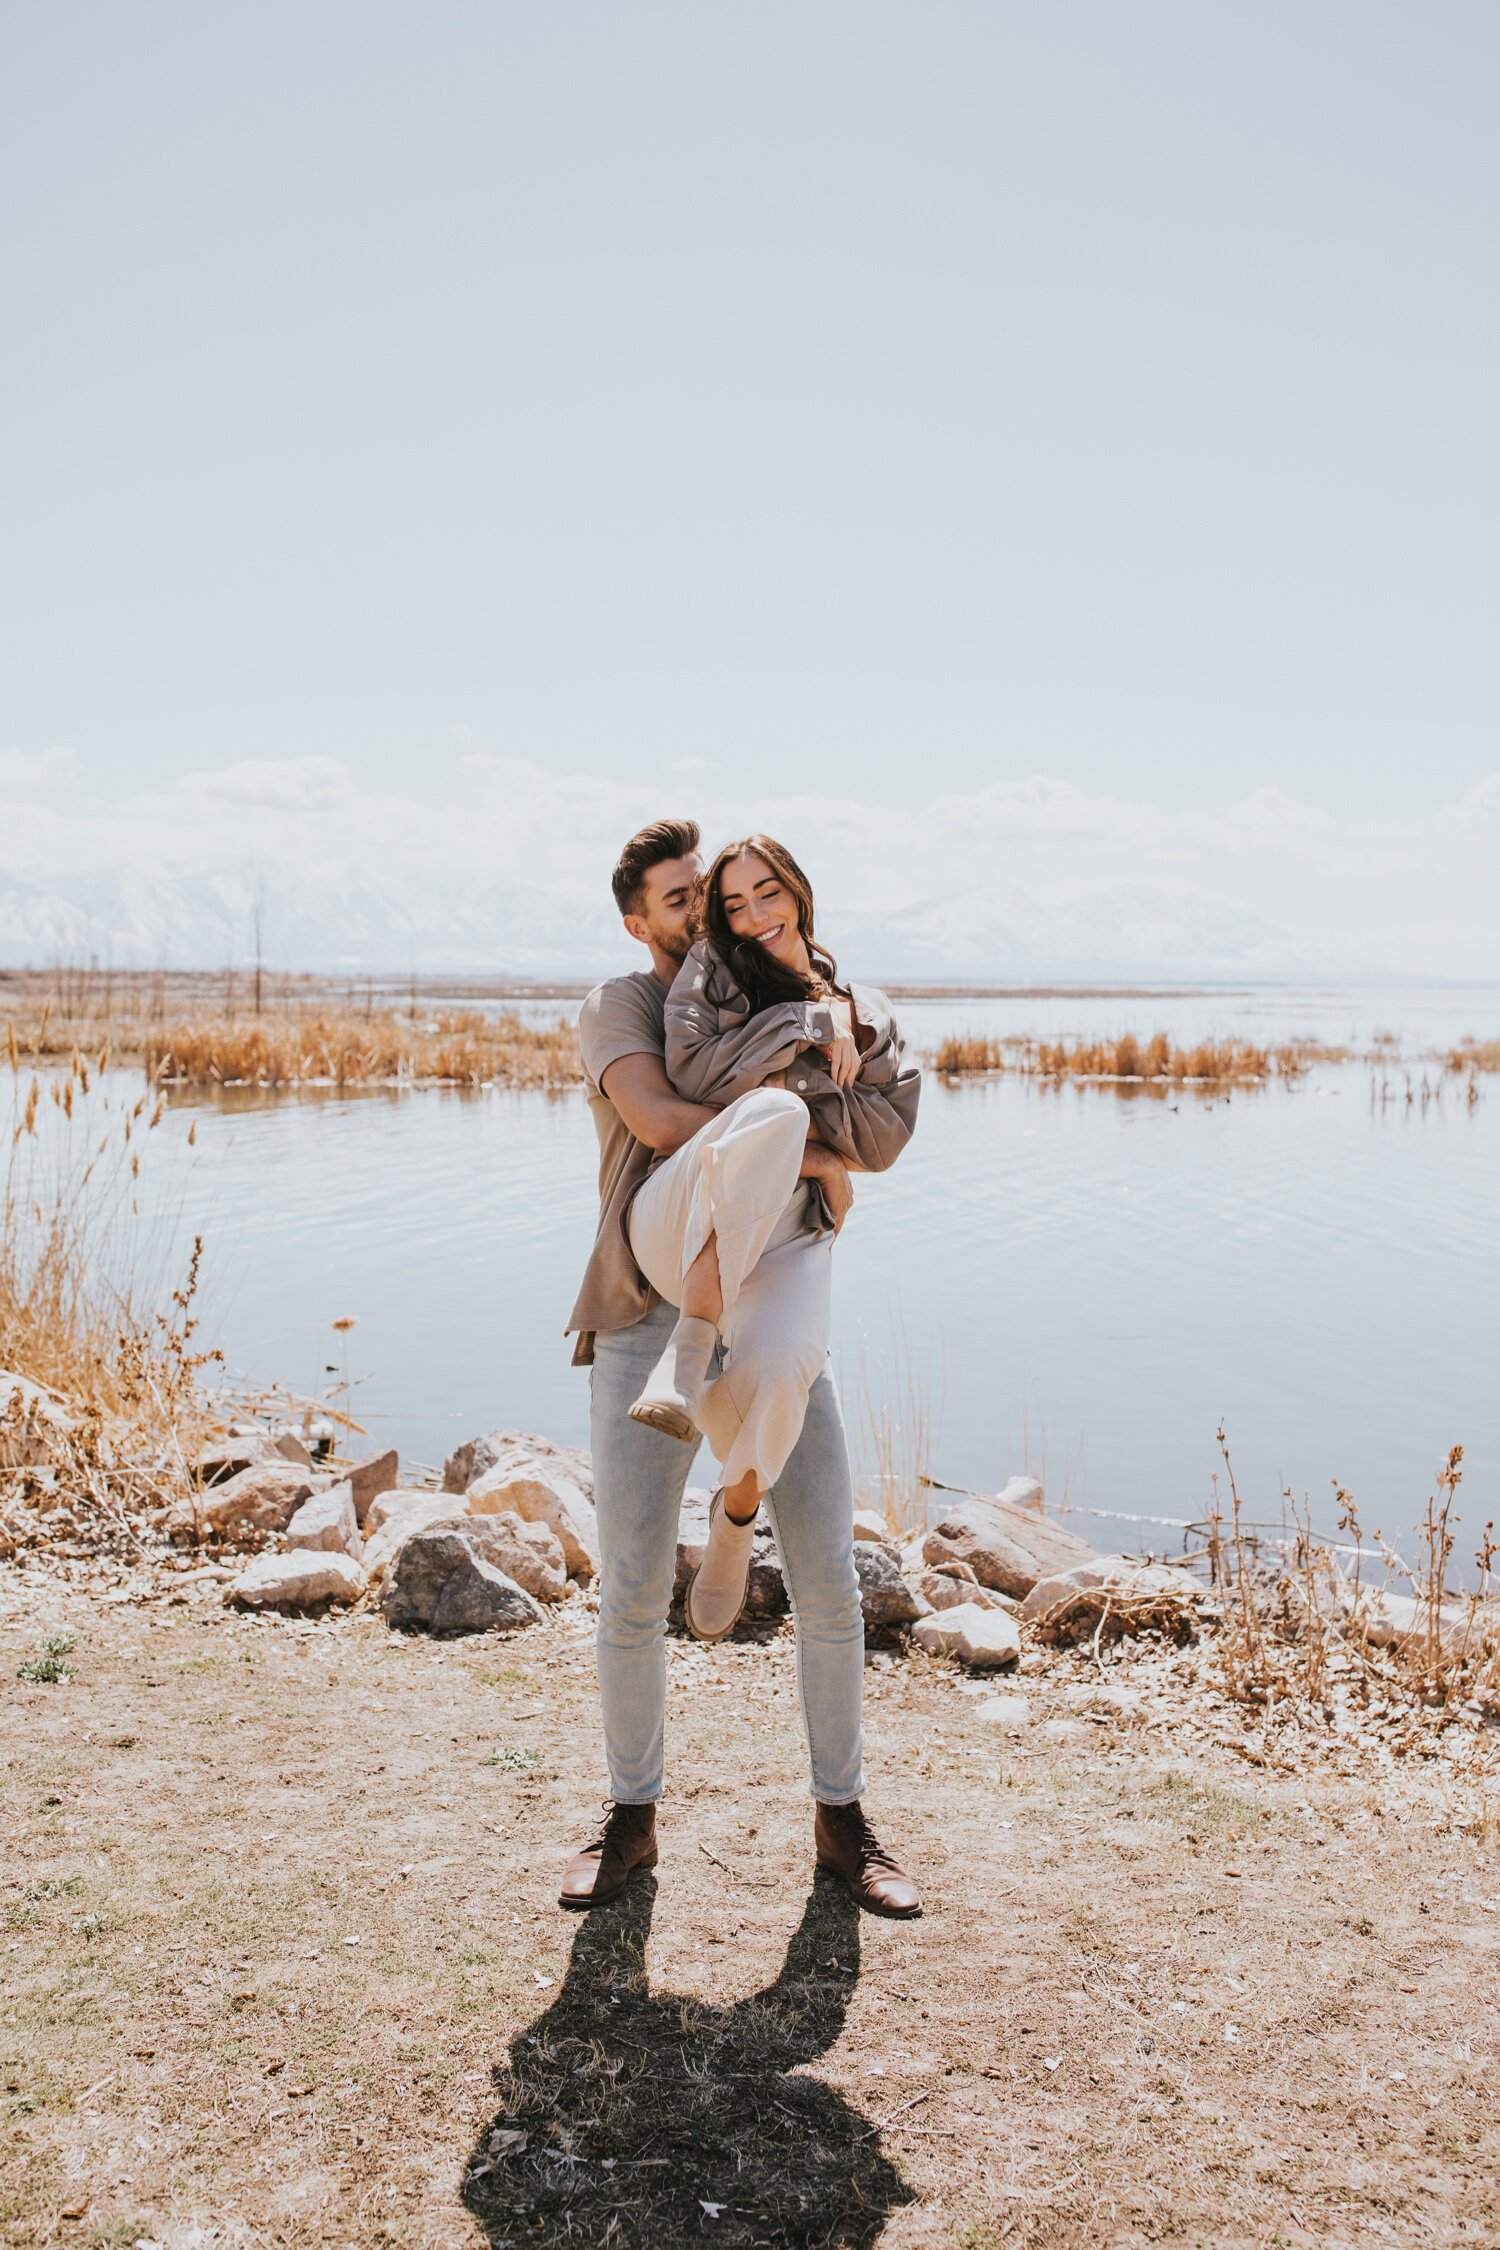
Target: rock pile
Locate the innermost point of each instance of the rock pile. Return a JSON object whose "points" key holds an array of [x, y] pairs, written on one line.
{"points": [[513, 1531]]}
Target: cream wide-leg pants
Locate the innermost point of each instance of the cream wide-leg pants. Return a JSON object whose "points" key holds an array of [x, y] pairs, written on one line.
{"points": [[737, 1179]]}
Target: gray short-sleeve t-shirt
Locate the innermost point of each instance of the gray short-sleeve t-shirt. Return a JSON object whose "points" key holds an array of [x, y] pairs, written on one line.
{"points": [[625, 1016]]}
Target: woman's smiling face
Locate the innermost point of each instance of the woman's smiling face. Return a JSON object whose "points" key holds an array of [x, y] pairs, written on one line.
{"points": [[758, 905]]}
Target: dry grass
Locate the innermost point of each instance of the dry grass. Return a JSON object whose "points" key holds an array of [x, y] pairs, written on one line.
{"points": [[1157, 1993], [82, 1317], [1474, 1054], [191, 1030], [1156, 1062], [459, 1049], [1386, 1638]]}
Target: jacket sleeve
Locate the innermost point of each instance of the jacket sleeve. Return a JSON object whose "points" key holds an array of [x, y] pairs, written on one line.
{"points": [[715, 1049], [870, 1121]]}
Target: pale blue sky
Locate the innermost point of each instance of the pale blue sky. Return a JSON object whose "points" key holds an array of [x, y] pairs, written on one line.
{"points": [[882, 399]]}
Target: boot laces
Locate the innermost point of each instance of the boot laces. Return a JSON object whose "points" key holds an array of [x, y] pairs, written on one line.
{"points": [[871, 1851]]}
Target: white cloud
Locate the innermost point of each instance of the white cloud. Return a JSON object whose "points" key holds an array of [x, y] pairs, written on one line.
{"points": [[460, 731], [24, 774], [693, 765], [489, 862], [300, 785]]}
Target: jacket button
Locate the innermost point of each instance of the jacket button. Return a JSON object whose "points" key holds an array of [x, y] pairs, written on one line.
{"points": [[802, 1085]]}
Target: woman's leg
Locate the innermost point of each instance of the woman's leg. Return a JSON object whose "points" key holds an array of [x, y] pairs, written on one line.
{"points": [[698, 1226]]}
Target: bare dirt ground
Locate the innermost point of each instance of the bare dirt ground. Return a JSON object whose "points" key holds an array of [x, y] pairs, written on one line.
{"points": [[282, 1962]]}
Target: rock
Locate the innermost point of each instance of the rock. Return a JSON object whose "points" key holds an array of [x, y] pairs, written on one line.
{"points": [[292, 1448], [527, 1552], [325, 1524], [396, 1515], [962, 1571], [884, 1595], [439, 1583], [1127, 1593], [980, 1638], [34, 1426], [367, 1480], [263, 1498], [540, 1493], [300, 1580], [1022, 1492], [499, 1448], [1011, 1712], [869, 1523], [1006, 1547], [1064, 1730], [940, 1590], [228, 1456], [1402, 1621]]}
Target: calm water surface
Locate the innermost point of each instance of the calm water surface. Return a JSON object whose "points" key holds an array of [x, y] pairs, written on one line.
{"points": [[1062, 1280]]}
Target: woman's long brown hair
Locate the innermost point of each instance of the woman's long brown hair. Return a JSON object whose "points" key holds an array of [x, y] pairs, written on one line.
{"points": [[763, 978]]}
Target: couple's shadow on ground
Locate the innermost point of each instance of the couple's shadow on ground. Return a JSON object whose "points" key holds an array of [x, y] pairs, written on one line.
{"points": [[629, 2118]]}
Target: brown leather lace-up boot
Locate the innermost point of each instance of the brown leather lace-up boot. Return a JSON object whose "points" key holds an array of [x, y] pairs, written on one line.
{"points": [[847, 1846], [626, 1841]]}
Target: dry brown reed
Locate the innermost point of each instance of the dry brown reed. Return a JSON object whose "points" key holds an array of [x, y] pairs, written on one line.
{"points": [[457, 1049], [1154, 1062], [79, 1319], [1307, 1629], [202, 1030]]}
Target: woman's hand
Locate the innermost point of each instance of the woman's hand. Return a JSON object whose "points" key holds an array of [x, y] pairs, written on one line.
{"points": [[843, 1054]]}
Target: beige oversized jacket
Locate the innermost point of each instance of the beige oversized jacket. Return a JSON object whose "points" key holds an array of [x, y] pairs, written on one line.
{"points": [[717, 1050]]}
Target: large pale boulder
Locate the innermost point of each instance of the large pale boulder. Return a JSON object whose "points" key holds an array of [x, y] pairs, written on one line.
{"points": [[527, 1552], [984, 1639], [539, 1492], [1006, 1547], [34, 1426], [303, 1579], [326, 1524], [438, 1583], [1125, 1592], [884, 1595], [259, 1499], [509, 1448], [367, 1480], [396, 1515]]}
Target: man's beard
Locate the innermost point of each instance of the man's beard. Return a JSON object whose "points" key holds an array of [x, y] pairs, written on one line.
{"points": [[676, 944]]}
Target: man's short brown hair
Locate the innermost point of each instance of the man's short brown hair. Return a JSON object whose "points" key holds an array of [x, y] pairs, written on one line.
{"points": [[647, 848]]}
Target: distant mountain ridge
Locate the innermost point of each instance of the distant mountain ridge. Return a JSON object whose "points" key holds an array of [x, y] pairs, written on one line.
{"points": [[346, 919]]}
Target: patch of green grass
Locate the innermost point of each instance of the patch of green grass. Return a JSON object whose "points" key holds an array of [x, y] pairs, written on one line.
{"points": [[49, 1668], [1200, 1808], [498, 1675], [514, 1758], [53, 1886]]}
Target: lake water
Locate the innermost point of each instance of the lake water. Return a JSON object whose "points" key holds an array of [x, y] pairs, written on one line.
{"points": [[1058, 1280]]}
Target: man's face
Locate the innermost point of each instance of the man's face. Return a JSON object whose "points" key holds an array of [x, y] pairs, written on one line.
{"points": [[667, 899]]}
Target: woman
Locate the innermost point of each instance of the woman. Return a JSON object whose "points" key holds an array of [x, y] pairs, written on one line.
{"points": [[730, 1229]]}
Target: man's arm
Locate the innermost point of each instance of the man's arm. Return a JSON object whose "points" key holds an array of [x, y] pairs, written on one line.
{"points": [[643, 1094], [655, 1112]]}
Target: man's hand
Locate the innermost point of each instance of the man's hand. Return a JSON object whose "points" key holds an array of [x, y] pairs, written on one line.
{"points": [[832, 1175]]}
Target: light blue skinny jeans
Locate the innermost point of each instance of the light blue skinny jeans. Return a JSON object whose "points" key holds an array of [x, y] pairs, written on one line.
{"points": [[639, 1478]]}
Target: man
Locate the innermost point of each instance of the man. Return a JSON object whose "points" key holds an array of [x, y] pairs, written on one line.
{"points": [[640, 1473]]}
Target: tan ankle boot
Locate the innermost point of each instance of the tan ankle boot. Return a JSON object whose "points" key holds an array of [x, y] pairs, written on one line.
{"points": [[669, 1401], [716, 1591], [626, 1841]]}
